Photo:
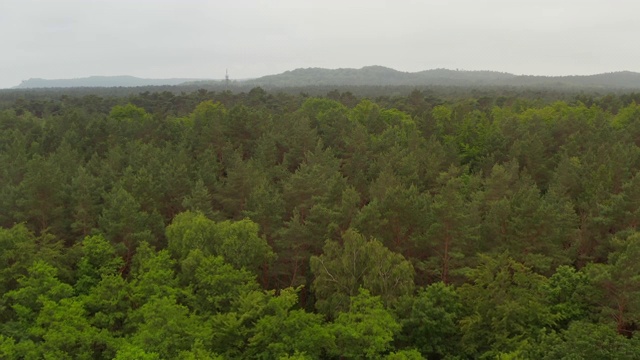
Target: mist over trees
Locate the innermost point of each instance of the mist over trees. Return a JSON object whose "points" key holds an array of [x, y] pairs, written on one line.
{"points": [[368, 76], [98, 81], [441, 223]]}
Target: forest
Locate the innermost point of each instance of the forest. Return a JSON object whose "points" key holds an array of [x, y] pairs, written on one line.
{"points": [[273, 225]]}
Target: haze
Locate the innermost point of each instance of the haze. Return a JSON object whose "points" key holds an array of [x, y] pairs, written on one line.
{"points": [[201, 39]]}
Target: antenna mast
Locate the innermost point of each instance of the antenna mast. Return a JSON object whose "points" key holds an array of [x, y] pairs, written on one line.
{"points": [[226, 79]]}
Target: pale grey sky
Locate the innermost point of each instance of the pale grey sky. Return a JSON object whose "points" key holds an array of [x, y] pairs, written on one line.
{"points": [[188, 38]]}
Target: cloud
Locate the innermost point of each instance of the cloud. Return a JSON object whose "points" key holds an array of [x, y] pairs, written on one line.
{"points": [[158, 39]]}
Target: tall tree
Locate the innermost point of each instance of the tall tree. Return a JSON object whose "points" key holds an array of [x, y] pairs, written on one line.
{"points": [[506, 307], [199, 200], [123, 222], [618, 284], [237, 242], [453, 230], [366, 329], [42, 200], [85, 200], [344, 268], [432, 322], [286, 331]]}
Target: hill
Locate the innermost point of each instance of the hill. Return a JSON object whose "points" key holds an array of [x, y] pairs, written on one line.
{"points": [[366, 76], [377, 76], [383, 76], [99, 81]]}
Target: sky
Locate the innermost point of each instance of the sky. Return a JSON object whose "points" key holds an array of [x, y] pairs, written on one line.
{"points": [[56, 39]]}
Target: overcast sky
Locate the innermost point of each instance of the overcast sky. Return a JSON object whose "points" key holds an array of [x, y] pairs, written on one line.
{"points": [[200, 39]]}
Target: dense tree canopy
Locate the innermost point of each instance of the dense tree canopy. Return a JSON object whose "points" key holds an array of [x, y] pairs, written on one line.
{"points": [[265, 225]]}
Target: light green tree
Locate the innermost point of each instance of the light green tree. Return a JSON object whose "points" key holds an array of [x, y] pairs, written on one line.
{"points": [[211, 284], [342, 270], [585, 340], [506, 307], [238, 242], [366, 330], [99, 258], [286, 331]]}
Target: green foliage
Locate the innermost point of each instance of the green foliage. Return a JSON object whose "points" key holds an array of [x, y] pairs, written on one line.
{"points": [[129, 351], [453, 228], [342, 270], [405, 355], [583, 340], [20, 248], [164, 327], [213, 284], [127, 112], [46, 319], [569, 292], [618, 284], [366, 330], [85, 199], [123, 221], [42, 197], [315, 108], [99, 259], [395, 214], [41, 284], [162, 225], [506, 307], [238, 242], [7, 347], [367, 113], [190, 231], [153, 274], [231, 330], [432, 323], [66, 332], [199, 200], [626, 116], [108, 304], [284, 331]]}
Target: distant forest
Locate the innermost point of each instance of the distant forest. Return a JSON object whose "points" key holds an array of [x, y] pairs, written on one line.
{"points": [[368, 76], [355, 222]]}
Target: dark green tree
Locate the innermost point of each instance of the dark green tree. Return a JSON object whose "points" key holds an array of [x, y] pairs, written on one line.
{"points": [[431, 325]]}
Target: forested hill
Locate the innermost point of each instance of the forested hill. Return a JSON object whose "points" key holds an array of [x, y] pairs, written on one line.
{"points": [[382, 76], [366, 76], [99, 81]]}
